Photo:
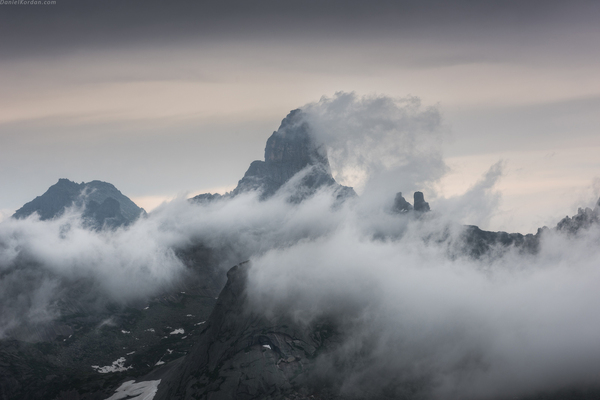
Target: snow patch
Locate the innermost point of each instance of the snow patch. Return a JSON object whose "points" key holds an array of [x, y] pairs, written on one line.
{"points": [[159, 362], [179, 331], [200, 323], [136, 391], [266, 346], [117, 366], [124, 331]]}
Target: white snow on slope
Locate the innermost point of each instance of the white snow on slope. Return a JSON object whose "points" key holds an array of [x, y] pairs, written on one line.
{"points": [[136, 391], [179, 331], [117, 366]]}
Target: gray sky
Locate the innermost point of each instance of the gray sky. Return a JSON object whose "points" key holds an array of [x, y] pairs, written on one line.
{"points": [[163, 98]]}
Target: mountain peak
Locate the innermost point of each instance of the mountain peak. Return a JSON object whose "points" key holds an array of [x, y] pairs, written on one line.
{"points": [[293, 144], [104, 204], [290, 150]]}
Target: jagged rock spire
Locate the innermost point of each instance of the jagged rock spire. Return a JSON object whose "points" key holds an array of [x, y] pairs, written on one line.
{"points": [[420, 203], [290, 150], [400, 204]]}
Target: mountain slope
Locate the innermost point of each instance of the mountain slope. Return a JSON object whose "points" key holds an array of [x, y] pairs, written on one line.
{"points": [[246, 354], [103, 203], [290, 151]]}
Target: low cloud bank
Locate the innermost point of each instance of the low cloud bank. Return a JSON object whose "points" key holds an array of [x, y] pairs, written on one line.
{"points": [[414, 311], [410, 305]]}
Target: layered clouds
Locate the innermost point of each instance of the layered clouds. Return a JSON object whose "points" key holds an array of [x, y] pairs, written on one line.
{"points": [[412, 307]]}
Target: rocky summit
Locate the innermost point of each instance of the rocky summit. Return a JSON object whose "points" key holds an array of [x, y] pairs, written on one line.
{"points": [[402, 206], [291, 152], [103, 204]]}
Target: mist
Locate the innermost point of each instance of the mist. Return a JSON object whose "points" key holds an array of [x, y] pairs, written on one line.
{"points": [[506, 325], [411, 305], [376, 142]]}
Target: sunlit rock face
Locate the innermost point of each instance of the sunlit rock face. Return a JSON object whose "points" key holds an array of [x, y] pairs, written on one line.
{"points": [[101, 202], [289, 151]]}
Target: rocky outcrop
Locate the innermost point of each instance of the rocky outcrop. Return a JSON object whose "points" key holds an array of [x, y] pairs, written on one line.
{"points": [[103, 204], [206, 198], [400, 204], [584, 219], [419, 202], [245, 355], [291, 152], [478, 243]]}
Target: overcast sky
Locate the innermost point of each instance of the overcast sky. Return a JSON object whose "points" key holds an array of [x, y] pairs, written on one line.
{"points": [[164, 98]]}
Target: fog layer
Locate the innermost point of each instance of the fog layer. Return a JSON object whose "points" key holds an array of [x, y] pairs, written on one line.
{"points": [[410, 304]]}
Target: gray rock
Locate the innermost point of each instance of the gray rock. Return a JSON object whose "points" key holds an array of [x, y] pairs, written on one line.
{"points": [[584, 219], [206, 198], [400, 204], [104, 205], [289, 151], [244, 355], [420, 203]]}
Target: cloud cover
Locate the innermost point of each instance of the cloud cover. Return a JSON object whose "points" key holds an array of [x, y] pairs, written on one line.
{"points": [[411, 305]]}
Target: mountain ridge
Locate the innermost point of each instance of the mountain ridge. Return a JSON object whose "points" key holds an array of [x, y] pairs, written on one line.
{"points": [[102, 203], [289, 150]]}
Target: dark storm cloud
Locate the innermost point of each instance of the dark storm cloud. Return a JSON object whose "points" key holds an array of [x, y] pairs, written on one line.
{"points": [[80, 25]]}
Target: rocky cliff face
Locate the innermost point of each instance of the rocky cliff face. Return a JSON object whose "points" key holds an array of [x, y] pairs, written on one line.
{"points": [[103, 204], [92, 348], [245, 355], [420, 203], [290, 152], [403, 206], [583, 220]]}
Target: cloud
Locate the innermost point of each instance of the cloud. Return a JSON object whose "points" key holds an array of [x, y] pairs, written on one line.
{"points": [[479, 203], [409, 312], [45, 263], [407, 303], [379, 143]]}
